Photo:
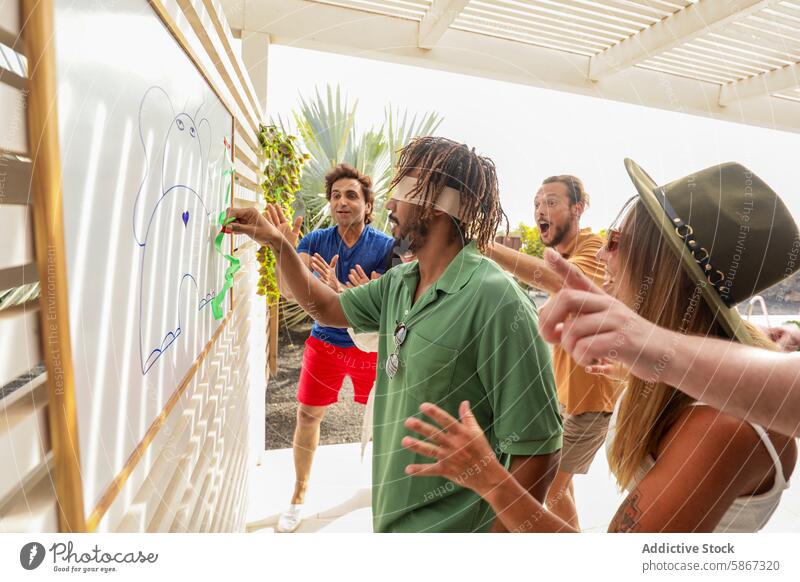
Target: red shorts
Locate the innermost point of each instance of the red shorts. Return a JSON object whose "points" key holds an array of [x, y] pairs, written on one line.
{"points": [[325, 367]]}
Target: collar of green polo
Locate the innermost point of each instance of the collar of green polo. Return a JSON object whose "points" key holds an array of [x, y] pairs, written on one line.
{"points": [[460, 269], [458, 272]]}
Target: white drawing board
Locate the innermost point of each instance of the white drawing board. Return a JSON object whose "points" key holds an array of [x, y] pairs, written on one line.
{"points": [[146, 157]]}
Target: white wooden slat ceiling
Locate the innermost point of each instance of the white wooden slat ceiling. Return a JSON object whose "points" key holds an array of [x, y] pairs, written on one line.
{"points": [[577, 26], [732, 43], [408, 9], [755, 44], [733, 60]]}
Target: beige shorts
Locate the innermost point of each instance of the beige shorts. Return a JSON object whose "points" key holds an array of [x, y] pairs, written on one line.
{"points": [[584, 434]]}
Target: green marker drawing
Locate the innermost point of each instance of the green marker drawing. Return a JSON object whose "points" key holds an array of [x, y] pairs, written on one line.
{"points": [[235, 264]]}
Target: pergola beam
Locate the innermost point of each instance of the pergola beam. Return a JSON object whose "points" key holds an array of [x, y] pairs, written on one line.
{"points": [[437, 20], [357, 33], [760, 85], [675, 30]]}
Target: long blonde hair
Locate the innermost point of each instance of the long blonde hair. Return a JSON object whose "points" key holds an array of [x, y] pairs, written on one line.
{"points": [[653, 282]]}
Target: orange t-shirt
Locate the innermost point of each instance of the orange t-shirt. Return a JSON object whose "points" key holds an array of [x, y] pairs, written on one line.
{"points": [[578, 391]]}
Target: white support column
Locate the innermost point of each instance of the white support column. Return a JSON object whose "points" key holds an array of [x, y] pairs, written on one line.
{"points": [[255, 52]]}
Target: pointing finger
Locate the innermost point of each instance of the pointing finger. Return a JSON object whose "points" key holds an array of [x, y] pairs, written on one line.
{"points": [[565, 304], [573, 278]]}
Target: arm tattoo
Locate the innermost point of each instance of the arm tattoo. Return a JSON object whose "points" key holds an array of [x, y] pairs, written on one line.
{"points": [[627, 518]]}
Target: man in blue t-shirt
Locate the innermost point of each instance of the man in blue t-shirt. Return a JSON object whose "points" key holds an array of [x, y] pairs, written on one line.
{"points": [[330, 354]]}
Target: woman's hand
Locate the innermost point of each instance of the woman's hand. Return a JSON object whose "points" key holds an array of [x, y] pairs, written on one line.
{"points": [[327, 272], [592, 325], [461, 450]]}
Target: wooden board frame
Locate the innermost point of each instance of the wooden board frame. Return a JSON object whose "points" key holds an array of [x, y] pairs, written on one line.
{"points": [[42, 123]]}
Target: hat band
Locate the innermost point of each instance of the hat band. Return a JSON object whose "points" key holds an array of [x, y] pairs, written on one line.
{"points": [[714, 276]]}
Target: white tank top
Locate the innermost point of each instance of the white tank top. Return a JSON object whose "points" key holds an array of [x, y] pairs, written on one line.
{"points": [[747, 514]]}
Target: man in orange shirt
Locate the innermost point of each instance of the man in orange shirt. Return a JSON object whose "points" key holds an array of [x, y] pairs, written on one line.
{"points": [[587, 400]]}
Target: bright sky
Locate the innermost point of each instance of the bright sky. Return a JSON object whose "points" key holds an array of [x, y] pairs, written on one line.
{"points": [[532, 133]]}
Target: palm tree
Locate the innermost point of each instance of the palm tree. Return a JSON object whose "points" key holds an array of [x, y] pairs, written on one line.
{"points": [[327, 127], [328, 131]]}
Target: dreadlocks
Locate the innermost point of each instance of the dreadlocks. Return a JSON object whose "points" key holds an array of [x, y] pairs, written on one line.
{"points": [[442, 162]]}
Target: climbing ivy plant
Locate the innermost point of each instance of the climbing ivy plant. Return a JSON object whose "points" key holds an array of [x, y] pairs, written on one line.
{"points": [[284, 163]]}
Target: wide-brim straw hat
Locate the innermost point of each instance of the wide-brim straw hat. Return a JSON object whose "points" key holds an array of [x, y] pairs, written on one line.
{"points": [[733, 234]]}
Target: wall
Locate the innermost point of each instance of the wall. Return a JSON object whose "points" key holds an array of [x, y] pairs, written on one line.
{"points": [[193, 474]]}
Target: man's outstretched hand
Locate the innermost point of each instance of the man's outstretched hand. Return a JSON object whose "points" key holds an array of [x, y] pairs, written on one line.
{"points": [[327, 271], [358, 277], [269, 228], [787, 336], [291, 232], [251, 222]]}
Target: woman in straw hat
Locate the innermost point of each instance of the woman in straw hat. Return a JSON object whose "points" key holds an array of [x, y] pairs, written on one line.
{"points": [[683, 256]]}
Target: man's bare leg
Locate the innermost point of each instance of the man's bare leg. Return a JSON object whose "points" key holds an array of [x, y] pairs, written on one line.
{"points": [[561, 499], [306, 439], [304, 445]]}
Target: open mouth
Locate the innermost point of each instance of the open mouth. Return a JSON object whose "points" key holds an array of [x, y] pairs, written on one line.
{"points": [[544, 227]]}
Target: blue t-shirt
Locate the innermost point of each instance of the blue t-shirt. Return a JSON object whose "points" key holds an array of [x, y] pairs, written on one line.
{"points": [[371, 251]]}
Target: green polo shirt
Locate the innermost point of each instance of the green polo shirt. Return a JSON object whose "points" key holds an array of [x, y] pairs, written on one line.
{"points": [[473, 335]]}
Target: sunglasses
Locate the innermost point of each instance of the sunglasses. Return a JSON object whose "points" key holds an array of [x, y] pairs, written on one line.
{"points": [[393, 361], [614, 234], [612, 239]]}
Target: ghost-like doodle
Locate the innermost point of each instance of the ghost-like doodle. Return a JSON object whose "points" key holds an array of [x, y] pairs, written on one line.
{"points": [[173, 220]]}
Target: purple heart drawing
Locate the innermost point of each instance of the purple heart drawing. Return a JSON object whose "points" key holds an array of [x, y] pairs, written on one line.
{"points": [[185, 217]]}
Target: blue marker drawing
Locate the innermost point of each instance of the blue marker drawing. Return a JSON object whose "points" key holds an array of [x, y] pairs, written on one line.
{"points": [[178, 182]]}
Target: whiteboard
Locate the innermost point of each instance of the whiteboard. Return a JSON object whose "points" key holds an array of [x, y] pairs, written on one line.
{"points": [[146, 154]]}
